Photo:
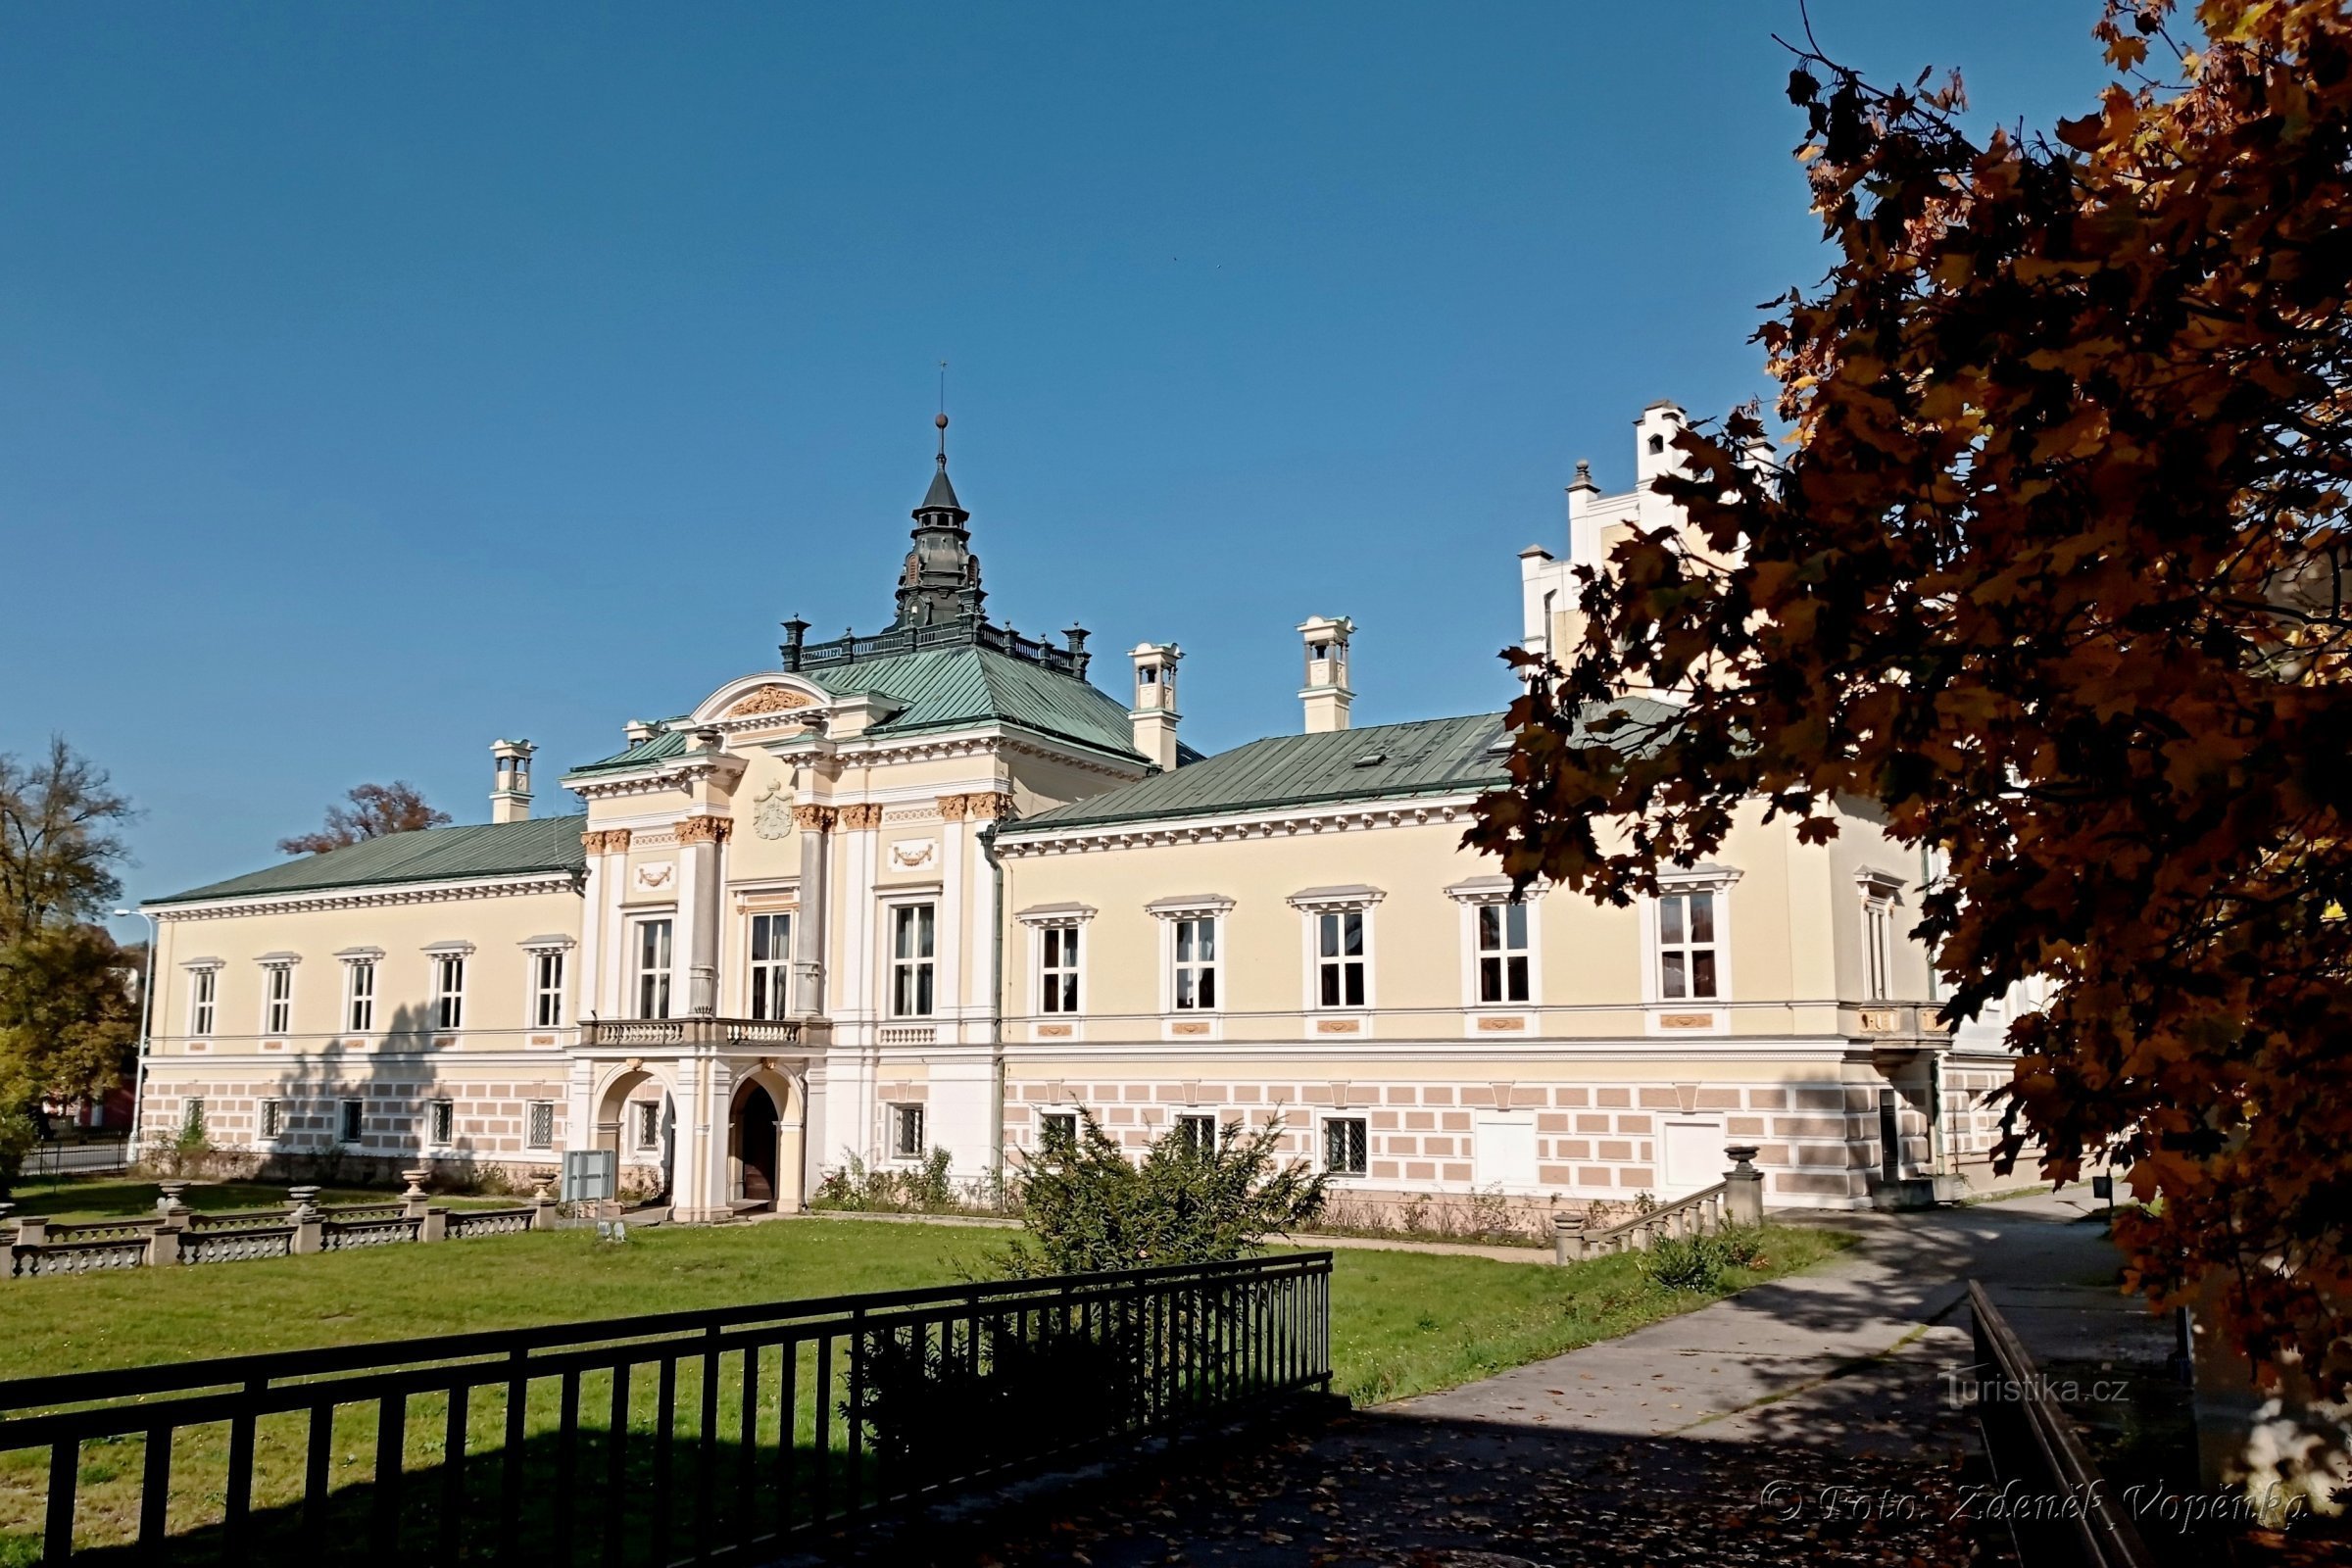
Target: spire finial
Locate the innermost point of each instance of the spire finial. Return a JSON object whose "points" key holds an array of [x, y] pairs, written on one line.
{"points": [[942, 420]]}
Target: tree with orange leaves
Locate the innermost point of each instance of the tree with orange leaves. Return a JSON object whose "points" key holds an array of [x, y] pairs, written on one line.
{"points": [[2054, 571]]}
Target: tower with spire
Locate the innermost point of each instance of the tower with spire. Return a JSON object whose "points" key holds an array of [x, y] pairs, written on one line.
{"points": [[941, 580]]}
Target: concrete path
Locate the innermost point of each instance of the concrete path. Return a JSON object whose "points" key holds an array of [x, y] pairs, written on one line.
{"points": [[1804, 1421]]}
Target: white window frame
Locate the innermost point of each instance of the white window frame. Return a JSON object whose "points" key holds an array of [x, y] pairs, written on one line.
{"points": [[1336, 904], [1881, 893], [1051, 925], [362, 968], [440, 1124], [450, 964], [1711, 879], [1192, 1118], [347, 1134], [902, 1114], [915, 968], [270, 1120], [1363, 1124], [277, 994], [646, 1114], [203, 999], [651, 987], [191, 1116], [545, 1006], [1043, 1135], [533, 1113], [775, 969], [1480, 893], [1175, 913]]}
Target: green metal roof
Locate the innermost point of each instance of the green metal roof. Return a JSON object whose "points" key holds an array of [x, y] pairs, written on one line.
{"points": [[428, 855], [944, 688], [1384, 761]]}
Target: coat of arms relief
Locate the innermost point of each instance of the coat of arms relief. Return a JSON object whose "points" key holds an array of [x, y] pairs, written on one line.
{"points": [[772, 812]]}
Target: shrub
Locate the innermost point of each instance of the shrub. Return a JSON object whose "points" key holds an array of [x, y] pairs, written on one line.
{"points": [[1088, 1207], [1685, 1263]]}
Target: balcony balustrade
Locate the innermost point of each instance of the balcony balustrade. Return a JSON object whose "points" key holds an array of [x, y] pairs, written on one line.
{"points": [[667, 1033]]}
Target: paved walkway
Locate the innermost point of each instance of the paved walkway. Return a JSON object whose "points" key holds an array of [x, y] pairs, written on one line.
{"points": [[1803, 1421]]}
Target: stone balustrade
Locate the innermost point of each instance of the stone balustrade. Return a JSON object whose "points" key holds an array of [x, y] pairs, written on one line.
{"points": [[1737, 1199], [665, 1033], [176, 1234]]}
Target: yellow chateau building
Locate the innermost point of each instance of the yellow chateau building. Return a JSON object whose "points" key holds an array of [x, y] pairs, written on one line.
{"points": [[933, 888]]}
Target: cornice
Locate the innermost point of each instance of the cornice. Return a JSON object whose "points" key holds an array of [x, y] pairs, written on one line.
{"points": [[1018, 842], [372, 898]]}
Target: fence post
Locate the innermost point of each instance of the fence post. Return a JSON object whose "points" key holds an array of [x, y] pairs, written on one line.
{"points": [[163, 1243], [412, 1202], [543, 1209], [310, 1226], [435, 1227], [1742, 1187], [1567, 1237]]}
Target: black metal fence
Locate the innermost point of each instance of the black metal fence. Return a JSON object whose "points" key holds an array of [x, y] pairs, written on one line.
{"points": [[684, 1436], [2060, 1511]]}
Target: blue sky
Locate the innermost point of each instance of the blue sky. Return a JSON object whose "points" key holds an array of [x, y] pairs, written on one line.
{"points": [[375, 381]]}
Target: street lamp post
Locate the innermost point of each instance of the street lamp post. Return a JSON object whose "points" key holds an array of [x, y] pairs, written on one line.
{"points": [[138, 1082]]}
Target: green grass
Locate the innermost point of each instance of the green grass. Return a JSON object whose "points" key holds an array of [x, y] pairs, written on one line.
{"points": [[1402, 1323], [83, 1198]]}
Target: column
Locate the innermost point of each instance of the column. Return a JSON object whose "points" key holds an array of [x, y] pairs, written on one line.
{"points": [[700, 873], [606, 953], [958, 922], [808, 926]]}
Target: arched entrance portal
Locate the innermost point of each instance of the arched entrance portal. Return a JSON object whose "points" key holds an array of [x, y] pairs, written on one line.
{"points": [[637, 1119], [757, 1124]]}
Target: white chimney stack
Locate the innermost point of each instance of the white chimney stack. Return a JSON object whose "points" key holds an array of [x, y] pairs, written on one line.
{"points": [[1326, 695], [510, 798], [1154, 714]]}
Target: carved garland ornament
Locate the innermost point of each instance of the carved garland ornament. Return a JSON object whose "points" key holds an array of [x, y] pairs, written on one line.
{"points": [[705, 829], [770, 700]]}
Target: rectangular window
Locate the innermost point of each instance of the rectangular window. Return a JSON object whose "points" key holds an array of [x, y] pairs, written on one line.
{"points": [[1345, 1145], [1196, 963], [1686, 946], [1057, 1129], [1196, 1134], [273, 1118], [912, 941], [204, 985], [441, 1123], [354, 1120], [1339, 958], [653, 968], [1878, 949], [277, 999], [191, 1117], [449, 991], [359, 997], [540, 1131], [905, 1132], [649, 1123], [1502, 952], [771, 965], [1057, 969], [547, 989]]}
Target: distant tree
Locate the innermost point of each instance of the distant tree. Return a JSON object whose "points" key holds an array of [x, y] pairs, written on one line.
{"points": [[59, 840], [375, 809], [2057, 575], [68, 1019]]}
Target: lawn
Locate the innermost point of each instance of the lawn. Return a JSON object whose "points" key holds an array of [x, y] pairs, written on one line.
{"points": [[1402, 1323]]}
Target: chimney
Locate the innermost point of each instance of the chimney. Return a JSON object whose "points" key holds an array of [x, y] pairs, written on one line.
{"points": [[1154, 714], [639, 730], [510, 799], [1326, 694], [1654, 442]]}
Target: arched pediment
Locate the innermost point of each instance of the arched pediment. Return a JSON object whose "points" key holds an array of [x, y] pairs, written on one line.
{"points": [[759, 695]]}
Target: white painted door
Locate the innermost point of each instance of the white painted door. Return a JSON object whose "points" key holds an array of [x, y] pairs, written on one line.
{"points": [[1695, 1156], [1505, 1154]]}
